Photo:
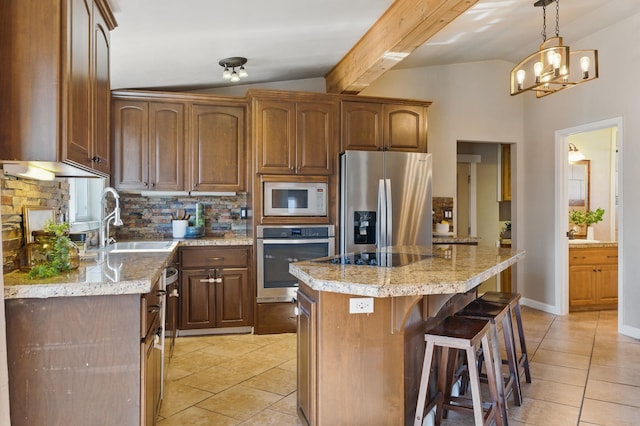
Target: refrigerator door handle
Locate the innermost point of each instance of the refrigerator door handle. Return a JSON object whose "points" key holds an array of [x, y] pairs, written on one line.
{"points": [[389, 212], [381, 223]]}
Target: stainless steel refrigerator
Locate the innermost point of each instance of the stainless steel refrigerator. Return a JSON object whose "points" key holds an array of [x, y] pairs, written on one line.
{"points": [[385, 200]]}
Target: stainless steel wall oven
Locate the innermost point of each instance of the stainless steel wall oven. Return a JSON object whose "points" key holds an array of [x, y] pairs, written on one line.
{"points": [[277, 246]]}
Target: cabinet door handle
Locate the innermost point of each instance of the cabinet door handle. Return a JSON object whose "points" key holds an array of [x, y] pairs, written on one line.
{"points": [[208, 280], [154, 309], [214, 259], [579, 257], [161, 292], [218, 280]]}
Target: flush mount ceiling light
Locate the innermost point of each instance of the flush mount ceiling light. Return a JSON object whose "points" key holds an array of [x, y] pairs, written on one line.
{"points": [[574, 153], [230, 65], [554, 67]]}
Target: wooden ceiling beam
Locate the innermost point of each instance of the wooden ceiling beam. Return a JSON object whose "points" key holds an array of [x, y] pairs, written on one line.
{"points": [[405, 26]]}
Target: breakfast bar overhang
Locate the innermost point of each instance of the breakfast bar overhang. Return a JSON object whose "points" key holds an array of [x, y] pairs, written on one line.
{"points": [[365, 368]]}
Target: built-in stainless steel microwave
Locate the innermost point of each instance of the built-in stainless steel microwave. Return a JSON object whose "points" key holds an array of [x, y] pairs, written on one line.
{"points": [[295, 198]]}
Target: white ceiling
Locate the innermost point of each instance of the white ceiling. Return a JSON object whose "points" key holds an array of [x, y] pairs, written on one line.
{"points": [[177, 44]]}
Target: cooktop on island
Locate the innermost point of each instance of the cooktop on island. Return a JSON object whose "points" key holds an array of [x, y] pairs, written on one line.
{"points": [[375, 258]]}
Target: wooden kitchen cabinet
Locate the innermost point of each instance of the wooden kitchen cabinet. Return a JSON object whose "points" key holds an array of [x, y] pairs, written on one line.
{"points": [[56, 91], [96, 363], [217, 141], [593, 278], [216, 289], [307, 358], [294, 136], [372, 125], [505, 172], [148, 145]]}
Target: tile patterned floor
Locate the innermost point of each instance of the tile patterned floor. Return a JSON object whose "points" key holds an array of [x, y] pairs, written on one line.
{"points": [[584, 373]]}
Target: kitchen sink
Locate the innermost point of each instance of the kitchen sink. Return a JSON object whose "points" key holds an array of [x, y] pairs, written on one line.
{"points": [[142, 246]]}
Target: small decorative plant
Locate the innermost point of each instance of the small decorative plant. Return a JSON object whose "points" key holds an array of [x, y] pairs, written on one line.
{"points": [[589, 218], [56, 254]]}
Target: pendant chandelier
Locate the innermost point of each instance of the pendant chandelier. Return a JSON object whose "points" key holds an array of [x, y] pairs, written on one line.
{"points": [[554, 67]]}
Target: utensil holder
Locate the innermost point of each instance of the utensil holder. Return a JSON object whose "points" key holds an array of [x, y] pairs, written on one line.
{"points": [[179, 228]]}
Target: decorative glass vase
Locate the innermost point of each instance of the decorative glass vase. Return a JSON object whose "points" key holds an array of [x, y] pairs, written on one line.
{"points": [[590, 233]]}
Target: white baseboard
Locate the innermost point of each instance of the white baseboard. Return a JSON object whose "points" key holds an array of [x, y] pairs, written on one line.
{"points": [[550, 309], [629, 331]]}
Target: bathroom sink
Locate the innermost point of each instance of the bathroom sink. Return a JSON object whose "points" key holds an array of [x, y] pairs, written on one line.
{"points": [[142, 246], [583, 241]]}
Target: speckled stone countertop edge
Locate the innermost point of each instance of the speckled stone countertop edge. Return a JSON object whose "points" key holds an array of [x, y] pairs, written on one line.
{"points": [[419, 280], [98, 278]]}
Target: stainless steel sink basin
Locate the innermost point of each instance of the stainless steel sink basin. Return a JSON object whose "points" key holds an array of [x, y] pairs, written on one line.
{"points": [[142, 246]]}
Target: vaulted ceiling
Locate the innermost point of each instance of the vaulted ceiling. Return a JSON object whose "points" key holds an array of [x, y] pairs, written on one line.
{"points": [[167, 44]]}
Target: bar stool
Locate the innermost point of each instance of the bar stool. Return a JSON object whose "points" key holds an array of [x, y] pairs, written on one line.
{"points": [[466, 334], [499, 313], [513, 299]]}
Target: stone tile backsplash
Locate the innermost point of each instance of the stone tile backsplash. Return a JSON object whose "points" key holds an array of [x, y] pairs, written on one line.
{"points": [[150, 217]]}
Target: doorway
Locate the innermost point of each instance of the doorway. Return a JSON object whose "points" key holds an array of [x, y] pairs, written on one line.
{"points": [[604, 193]]}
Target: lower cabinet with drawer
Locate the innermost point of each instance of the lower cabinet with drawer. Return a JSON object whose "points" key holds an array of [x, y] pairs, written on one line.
{"points": [[216, 288], [593, 278]]}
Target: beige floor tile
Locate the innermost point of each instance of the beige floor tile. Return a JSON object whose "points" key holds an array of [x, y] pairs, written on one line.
{"points": [[287, 405], [606, 413], [613, 392], [291, 365], [184, 345], [543, 356], [194, 416], [249, 375], [272, 418], [197, 361], [546, 390], [178, 397], [276, 380], [622, 375], [567, 346], [615, 353], [230, 348], [216, 379], [537, 412], [555, 373], [254, 363], [240, 402]]}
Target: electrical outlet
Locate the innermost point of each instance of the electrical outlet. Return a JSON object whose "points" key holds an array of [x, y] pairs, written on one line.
{"points": [[361, 305], [243, 213]]}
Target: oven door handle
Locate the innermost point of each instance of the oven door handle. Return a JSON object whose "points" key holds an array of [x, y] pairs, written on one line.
{"points": [[295, 241]]}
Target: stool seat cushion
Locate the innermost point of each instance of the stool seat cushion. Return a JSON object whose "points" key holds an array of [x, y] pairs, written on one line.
{"points": [[459, 328], [500, 297], [482, 308]]}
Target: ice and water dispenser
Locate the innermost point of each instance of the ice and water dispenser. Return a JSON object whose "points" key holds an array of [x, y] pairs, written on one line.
{"points": [[365, 227]]}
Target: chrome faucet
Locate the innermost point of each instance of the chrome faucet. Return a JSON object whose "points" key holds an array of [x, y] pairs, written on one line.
{"points": [[114, 215]]}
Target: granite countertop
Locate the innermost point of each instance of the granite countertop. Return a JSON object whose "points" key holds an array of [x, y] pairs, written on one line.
{"points": [[106, 273], [453, 269], [454, 239], [583, 244]]}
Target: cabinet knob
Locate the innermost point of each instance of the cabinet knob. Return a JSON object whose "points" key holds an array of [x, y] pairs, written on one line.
{"points": [[153, 184]]}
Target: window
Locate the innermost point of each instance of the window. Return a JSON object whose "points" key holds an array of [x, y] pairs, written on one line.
{"points": [[85, 202]]}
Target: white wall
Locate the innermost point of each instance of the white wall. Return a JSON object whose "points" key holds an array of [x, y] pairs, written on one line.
{"points": [[471, 102]]}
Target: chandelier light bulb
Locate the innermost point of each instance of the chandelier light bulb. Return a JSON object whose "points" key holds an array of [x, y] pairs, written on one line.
{"points": [[520, 75], [584, 65], [234, 77], [242, 73], [226, 74], [557, 58], [537, 70]]}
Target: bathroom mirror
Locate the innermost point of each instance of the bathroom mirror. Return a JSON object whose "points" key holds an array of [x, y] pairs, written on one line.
{"points": [[578, 190]]}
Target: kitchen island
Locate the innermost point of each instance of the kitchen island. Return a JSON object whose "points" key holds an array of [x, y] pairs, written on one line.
{"points": [[364, 368]]}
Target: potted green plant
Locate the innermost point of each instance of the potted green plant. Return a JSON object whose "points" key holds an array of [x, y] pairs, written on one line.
{"points": [[588, 218], [57, 253]]}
